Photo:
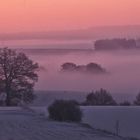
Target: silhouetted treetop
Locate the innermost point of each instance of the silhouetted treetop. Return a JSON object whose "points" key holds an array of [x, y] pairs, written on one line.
{"points": [[137, 100], [69, 66], [92, 68], [101, 97]]}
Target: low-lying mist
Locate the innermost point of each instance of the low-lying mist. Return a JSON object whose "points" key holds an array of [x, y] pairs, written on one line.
{"points": [[123, 68]]}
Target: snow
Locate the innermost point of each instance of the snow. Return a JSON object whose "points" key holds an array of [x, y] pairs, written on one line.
{"points": [[23, 124], [106, 118]]}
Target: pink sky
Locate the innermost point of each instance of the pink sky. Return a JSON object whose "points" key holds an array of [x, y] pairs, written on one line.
{"points": [[43, 15]]}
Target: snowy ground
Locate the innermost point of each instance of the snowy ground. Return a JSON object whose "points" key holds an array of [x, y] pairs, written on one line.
{"points": [[19, 124], [106, 118]]}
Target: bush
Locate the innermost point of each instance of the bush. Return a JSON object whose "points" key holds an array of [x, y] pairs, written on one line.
{"points": [[62, 110], [101, 97], [137, 101], [125, 103]]}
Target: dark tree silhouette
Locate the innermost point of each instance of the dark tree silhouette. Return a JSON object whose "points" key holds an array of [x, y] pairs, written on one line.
{"points": [[17, 76], [137, 101], [101, 97], [95, 68], [63, 110], [91, 68], [125, 103], [68, 66], [116, 43]]}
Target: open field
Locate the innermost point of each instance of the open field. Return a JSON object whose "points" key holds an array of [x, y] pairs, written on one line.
{"points": [[106, 117], [20, 124]]}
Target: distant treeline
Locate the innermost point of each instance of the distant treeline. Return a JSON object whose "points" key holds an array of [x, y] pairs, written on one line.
{"points": [[116, 43], [103, 98]]}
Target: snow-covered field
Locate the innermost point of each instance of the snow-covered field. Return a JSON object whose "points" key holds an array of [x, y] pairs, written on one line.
{"points": [[98, 117], [106, 118], [22, 124]]}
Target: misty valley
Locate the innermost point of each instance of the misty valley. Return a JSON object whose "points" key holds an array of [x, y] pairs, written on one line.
{"points": [[69, 70], [81, 76], [115, 70], [120, 64]]}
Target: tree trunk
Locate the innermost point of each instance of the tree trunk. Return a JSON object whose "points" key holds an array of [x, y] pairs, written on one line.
{"points": [[7, 96], [7, 101]]}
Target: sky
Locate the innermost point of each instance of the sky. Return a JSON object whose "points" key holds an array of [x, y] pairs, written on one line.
{"points": [[44, 15]]}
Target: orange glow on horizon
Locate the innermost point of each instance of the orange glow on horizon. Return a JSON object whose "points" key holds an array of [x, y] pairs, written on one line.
{"points": [[42, 15]]}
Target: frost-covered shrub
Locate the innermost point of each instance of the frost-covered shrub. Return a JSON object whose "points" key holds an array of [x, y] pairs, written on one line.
{"points": [[63, 110]]}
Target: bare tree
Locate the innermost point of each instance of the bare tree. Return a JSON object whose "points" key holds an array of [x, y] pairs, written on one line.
{"points": [[18, 75]]}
